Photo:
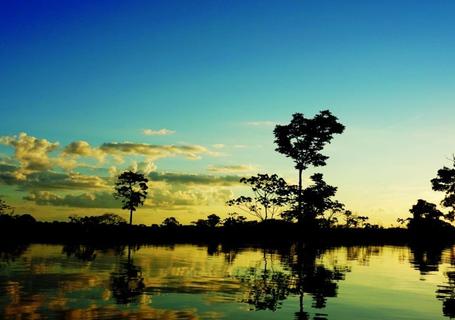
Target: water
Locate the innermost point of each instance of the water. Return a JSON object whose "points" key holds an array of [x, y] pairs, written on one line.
{"points": [[200, 282]]}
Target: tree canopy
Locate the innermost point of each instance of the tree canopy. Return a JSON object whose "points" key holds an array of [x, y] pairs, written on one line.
{"points": [[445, 182], [304, 138], [270, 195], [131, 187]]}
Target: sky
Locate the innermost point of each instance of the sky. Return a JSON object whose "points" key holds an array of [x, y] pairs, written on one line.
{"points": [[189, 92]]}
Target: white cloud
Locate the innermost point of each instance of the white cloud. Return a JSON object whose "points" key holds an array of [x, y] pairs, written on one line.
{"points": [[83, 148], [160, 132], [143, 167], [231, 168], [260, 123], [154, 152], [32, 153]]}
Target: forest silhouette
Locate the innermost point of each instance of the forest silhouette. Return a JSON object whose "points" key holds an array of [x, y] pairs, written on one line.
{"points": [[280, 212]]}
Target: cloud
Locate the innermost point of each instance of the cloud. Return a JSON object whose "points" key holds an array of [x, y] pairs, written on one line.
{"points": [[231, 168], [143, 167], [83, 149], [218, 146], [154, 152], [172, 198], [161, 132], [195, 179], [50, 180], [84, 200], [163, 198], [260, 123], [32, 153]]}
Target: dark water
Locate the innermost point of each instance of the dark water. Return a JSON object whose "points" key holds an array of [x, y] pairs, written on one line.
{"points": [[197, 282]]}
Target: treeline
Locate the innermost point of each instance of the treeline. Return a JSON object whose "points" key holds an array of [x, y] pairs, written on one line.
{"points": [[281, 211], [110, 228]]}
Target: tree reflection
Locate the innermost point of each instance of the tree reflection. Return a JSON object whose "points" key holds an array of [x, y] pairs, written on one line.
{"points": [[426, 258], [81, 252], [127, 283], [266, 289], [446, 293], [10, 252], [312, 278]]}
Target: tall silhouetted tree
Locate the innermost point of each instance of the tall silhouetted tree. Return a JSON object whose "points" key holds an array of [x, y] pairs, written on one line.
{"points": [[303, 140], [131, 187], [270, 194], [445, 181]]}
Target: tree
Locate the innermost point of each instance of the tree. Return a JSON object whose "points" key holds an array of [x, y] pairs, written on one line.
{"points": [[270, 195], [233, 220], [131, 188], [316, 202], [355, 221], [111, 219], [426, 218], [211, 222], [445, 182], [170, 222], [104, 219], [303, 140], [424, 210]]}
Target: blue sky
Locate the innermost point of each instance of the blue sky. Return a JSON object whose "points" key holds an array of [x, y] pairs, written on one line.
{"points": [[102, 71]]}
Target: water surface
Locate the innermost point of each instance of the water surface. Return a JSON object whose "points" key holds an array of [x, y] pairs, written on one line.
{"points": [[218, 282]]}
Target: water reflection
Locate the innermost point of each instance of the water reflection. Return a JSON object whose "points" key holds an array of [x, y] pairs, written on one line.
{"points": [[310, 277], [446, 293], [265, 288], [210, 282], [10, 252], [426, 258], [127, 283], [82, 252]]}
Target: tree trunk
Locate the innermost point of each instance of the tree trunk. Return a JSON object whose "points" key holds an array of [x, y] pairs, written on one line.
{"points": [[300, 213], [131, 217]]}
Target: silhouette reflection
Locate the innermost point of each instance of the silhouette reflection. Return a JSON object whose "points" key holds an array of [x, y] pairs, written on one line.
{"points": [[127, 282], [10, 252], [267, 289], [426, 258], [223, 281], [312, 278], [81, 252], [446, 293]]}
